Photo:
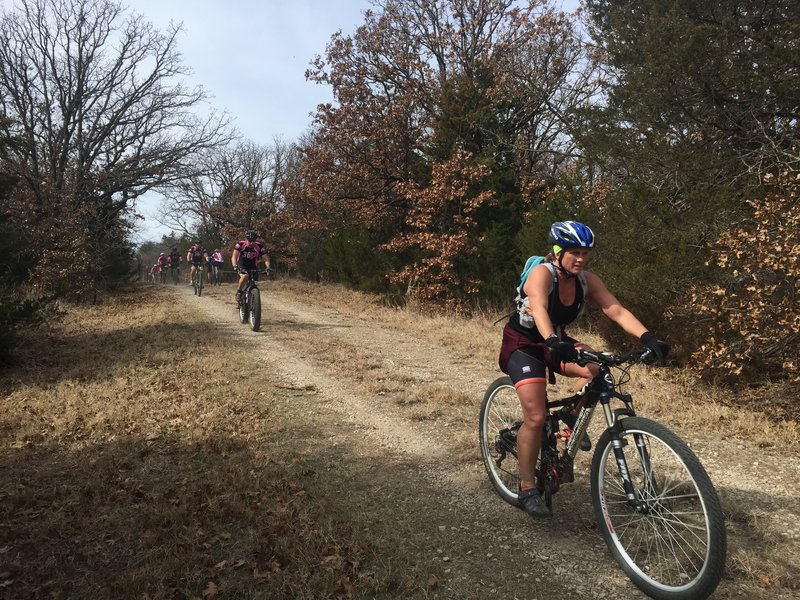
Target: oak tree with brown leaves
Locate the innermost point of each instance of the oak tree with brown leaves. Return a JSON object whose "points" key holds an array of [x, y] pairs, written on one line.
{"points": [[419, 81], [753, 325]]}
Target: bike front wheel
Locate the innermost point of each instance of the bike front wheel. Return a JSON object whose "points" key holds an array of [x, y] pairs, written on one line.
{"points": [[255, 309], [244, 311], [673, 547], [500, 419]]}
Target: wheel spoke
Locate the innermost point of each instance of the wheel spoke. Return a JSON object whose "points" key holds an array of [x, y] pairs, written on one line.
{"points": [[669, 542]]}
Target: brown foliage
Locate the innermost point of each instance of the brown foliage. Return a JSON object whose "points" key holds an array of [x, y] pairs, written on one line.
{"points": [[441, 224], [754, 322], [519, 69]]}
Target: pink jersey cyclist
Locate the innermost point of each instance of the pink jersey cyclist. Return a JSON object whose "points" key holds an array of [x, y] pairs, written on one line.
{"points": [[245, 257]]}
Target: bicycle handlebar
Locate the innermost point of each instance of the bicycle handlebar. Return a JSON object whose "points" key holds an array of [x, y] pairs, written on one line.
{"points": [[612, 360]]}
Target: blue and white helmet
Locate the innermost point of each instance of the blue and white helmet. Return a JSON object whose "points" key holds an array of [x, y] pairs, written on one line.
{"points": [[570, 234]]}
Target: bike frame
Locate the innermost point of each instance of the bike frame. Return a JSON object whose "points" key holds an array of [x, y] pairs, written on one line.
{"points": [[602, 390], [252, 282]]}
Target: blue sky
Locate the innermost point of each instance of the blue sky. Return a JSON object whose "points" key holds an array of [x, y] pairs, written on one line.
{"points": [[251, 56]]}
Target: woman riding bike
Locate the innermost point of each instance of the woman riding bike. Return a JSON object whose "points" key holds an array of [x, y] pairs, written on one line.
{"points": [[534, 339]]}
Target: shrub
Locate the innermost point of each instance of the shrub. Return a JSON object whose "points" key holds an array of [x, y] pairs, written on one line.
{"points": [[752, 321]]}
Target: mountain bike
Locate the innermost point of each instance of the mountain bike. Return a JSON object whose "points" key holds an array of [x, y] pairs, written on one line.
{"points": [[654, 504], [250, 299], [176, 273], [162, 275], [197, 279]]}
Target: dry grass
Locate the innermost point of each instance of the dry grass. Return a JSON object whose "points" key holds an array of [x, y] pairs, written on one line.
{"points": [[672, 394], [143, 458]]}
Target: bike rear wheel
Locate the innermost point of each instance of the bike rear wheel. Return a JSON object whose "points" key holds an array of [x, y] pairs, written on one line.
{"points": [[675, 548], [255, 309], [500, 418]]}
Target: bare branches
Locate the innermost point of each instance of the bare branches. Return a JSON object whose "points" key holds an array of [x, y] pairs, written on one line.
{"points": [[99, 100], [95, 95], [240, 186]]}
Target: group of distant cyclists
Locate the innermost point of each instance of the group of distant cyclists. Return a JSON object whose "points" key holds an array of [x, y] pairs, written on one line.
{"points": [[166, 263], [244, 260]]}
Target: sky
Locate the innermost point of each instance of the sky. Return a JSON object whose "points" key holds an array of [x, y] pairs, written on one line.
{"points": [[251, 57]]}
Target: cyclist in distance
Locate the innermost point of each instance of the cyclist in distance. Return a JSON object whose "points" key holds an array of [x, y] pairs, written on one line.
{"points": [[174, 258], [162, 262], [216, 261], [534, 339], [154, 273], [246, 253], [196, 255]]}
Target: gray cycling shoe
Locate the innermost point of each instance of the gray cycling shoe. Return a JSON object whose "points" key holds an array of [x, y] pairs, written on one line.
{"points": [[531, 502]]}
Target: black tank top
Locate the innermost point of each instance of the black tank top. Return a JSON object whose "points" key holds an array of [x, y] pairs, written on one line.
{"points": [[560, 315]]}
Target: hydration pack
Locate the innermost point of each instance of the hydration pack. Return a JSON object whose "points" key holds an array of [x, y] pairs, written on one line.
{"points": [[521, 299]]}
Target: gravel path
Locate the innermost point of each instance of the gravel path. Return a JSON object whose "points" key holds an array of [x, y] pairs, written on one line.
{"points": [[490, 548]]}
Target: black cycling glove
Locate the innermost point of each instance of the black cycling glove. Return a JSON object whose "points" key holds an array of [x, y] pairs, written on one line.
{"points": [[561, 351], [659, 347]]}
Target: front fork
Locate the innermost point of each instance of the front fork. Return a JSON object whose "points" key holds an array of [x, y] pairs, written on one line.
{"points": [[618, 443]]}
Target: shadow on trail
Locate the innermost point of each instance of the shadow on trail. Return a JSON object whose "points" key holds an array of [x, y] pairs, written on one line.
{"points": [[90, 356], [291, 324], [746, 530], [165, 518]]}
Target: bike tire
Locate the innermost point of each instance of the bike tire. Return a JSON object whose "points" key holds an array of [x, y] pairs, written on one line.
{"points": [[244, 313], [676, 549], [200, 282], [255, 309], [500, 414]]}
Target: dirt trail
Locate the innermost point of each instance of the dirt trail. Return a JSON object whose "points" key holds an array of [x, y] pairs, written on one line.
{"points": [[492, 549]]}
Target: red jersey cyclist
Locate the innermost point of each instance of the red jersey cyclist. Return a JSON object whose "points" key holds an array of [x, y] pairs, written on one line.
{"points": [[163, 263], [154, 273], [245, 257]]}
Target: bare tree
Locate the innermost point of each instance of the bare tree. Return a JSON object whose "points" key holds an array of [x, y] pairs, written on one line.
{"points": [[96, 94], [236, 187]]}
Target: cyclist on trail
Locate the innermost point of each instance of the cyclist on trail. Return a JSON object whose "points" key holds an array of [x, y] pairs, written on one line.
{"points": [[196, 255], [174, 258], [162, 262], [154, 273], [216, 261], [534, 340], [245, 257], [216, 256]]}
